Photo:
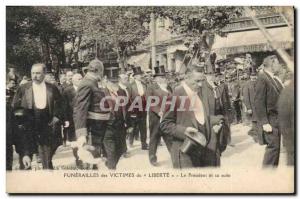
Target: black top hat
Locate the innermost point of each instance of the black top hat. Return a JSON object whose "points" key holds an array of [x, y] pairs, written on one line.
{"points": [[218, 71], [137, 70], [159, 71], [112, 74], [252, 71]]}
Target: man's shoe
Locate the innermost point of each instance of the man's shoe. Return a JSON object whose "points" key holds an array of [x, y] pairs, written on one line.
{"points": [[153, 161], [144, 147], [126, 155]]}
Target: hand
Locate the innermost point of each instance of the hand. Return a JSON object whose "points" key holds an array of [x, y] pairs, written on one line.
{"points": [[54, 121], [26, 161], [67, 124], [130, 130], [191, 130], [217, 128], [160, 114], [249, 111], [267, 128]]}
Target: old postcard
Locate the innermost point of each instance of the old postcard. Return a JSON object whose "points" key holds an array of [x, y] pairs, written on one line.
{"points": [[150, 99]]}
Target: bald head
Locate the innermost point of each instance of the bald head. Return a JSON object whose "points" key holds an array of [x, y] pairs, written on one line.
{"points": [[38, 72]]}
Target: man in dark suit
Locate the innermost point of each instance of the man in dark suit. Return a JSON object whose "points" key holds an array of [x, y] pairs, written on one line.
{"points": [[202, 120], [268, 90], [137, 91], [10, 92], [236, 100], [116, 125], [286, 114], [43, 100], [248, 99], [124, 84], [90, 118], [69, 97], [160, 89]]}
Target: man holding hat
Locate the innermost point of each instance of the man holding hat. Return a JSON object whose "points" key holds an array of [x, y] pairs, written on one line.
{"points": [[195, 132], [138, 117], [159, 89]]}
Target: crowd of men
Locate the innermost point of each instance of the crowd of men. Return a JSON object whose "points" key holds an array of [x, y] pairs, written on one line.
{"points": [[43, 114]]}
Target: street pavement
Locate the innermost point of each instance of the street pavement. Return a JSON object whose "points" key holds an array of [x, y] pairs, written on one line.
{"points": [[242, 152]]}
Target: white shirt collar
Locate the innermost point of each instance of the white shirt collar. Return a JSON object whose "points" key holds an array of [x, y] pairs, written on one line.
{"points": [[122, 85], [75, 87], [39, 85], [269, 73]]}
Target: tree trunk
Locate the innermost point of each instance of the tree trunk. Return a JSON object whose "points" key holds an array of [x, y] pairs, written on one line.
{"points": [[77, 50]]}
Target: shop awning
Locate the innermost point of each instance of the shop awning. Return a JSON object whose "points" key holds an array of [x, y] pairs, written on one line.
{"points": [[252, 41], [142, 60]]}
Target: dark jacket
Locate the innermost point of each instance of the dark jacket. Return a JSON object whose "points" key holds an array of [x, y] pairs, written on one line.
{"points": [[69, 99], [249, 96], [24, 99], [266, 98], [134, 94], [155, 90], [175, 123], [87, 103]]}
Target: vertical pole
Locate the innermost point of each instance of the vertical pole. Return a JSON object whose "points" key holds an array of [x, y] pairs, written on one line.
{"points": [[96, 52], [153, 40]]}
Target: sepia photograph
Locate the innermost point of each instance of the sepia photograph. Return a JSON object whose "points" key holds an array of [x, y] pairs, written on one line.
{"points": [[152, 99]]}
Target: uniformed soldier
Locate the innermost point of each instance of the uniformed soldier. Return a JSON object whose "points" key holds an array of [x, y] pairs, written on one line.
{"points": [[89, 118]]}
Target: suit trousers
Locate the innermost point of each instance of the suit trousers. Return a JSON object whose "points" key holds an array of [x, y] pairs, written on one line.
{"points": [[113, 145], [155, 136], [237, 110], [272, 139], [46, 154], [139, 125], [96, 136]]}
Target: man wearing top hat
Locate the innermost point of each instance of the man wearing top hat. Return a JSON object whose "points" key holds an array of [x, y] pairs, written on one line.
{"points": [[43, 101], [137, 90], [124, 85], [159, 89], [115, 129], [195, 132], [89, 117]]}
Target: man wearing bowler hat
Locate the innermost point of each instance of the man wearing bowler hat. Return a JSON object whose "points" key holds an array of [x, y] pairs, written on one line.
{"points": [[138, 116], [158, 89]]}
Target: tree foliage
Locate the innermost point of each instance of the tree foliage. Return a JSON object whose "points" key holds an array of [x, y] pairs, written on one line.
{"points": [[44, 30]]}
